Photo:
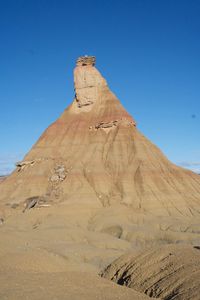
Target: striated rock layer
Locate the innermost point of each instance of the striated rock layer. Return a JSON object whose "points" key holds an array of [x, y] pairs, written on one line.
{"points": [[103, 158], [167, 272]]}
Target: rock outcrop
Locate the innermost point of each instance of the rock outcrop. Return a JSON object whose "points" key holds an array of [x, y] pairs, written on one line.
{"points": [[104, 159], [86, 61]]}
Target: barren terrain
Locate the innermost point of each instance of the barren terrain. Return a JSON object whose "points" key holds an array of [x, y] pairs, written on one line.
{"points": [[90, 190]]}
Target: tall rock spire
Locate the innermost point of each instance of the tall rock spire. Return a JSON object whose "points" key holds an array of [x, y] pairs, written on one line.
{"points": [[94, 154], [88, 82]]}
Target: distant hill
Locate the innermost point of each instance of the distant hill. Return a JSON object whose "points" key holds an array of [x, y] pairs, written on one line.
{"points": [[2, 177]]}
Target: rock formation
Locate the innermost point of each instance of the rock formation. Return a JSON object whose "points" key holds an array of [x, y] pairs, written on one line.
{"points": [[104, 158]]}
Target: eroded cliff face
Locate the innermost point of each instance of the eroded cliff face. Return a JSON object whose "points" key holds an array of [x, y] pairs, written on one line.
{"points": [[105, 160], [88, 84]]}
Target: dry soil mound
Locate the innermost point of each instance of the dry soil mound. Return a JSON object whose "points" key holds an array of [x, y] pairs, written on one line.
{"points": [[168, 272]]}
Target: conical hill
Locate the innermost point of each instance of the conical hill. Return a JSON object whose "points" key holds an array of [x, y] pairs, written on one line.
{"points": [[94, 154]]}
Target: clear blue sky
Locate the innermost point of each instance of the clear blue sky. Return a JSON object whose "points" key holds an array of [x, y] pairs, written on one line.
{"points": [[148, 50]]}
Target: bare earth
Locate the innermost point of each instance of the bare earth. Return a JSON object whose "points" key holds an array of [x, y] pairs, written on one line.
{"points": [[2, 178], [168, 272], [64, 285], [49, 254]]}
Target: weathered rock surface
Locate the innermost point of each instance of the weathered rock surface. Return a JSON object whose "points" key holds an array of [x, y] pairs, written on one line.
{"points": [[86, 61], [106, 160], [167, 272]]}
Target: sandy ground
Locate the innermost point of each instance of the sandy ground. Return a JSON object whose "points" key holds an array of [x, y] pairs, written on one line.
{"points": [[62, 285], [57, 252], [50, 253]]}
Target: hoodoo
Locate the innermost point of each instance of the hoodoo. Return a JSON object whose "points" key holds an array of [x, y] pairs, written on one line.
{"points": [[94, 154]]}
